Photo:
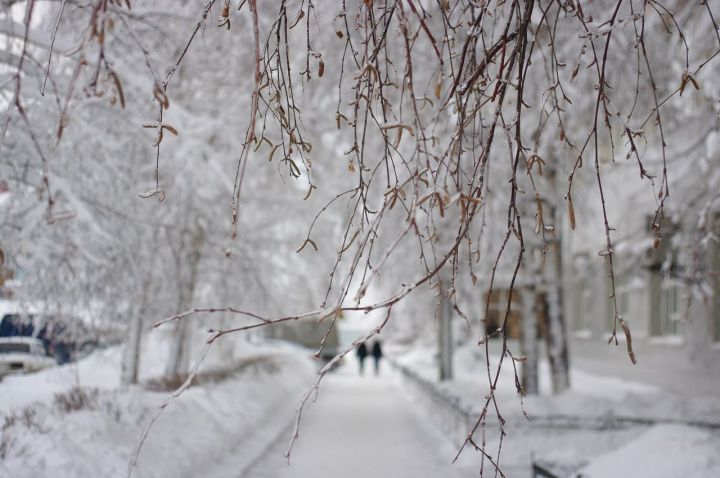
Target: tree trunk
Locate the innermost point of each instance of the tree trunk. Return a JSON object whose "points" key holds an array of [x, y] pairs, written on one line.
{"points": [[556, 330], [179, 360], [226, 347], [557, 343], [131, 358], [445, 343], [529, 341]]}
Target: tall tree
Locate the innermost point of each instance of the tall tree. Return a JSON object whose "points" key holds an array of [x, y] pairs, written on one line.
{"points": [[412, 131]]}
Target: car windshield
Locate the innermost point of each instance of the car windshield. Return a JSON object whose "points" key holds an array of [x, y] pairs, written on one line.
{"points": [[9, 348]]}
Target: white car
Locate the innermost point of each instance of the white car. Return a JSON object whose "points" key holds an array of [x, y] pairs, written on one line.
{"points": [[23, 355]]}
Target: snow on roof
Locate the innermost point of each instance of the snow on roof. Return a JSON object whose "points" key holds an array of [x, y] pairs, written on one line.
{"points": [[84, 313], [8, 307], [20, 340]]}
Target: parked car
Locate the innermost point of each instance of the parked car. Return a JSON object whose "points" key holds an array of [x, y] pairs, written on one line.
{"points": [[66, 339], [23, 355]]}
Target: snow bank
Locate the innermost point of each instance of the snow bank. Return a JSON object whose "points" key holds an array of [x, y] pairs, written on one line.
{"points": [[50, 435], [101, 369], [599, 415], [591, 395], [664, 451]]}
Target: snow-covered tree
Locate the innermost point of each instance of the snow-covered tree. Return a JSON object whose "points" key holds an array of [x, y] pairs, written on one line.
{"points": [[397, 146]]}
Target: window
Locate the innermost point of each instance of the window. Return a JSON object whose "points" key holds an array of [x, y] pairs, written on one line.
{"points": [[586, 308], [624, 302], [623, 290], [498, 308], [10, 348], [670, 306]]}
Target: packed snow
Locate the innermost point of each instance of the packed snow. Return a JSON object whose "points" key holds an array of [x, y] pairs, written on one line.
{"points": [[664, 451], [285, 170], [601, 417], [49, 432], [363, 426]]}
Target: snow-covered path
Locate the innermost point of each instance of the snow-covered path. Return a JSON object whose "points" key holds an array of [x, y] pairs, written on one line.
{"points": [[362, 427]]}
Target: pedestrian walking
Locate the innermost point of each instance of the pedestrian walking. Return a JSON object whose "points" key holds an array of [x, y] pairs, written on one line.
{"points": [[377, 355], [361, 354]]}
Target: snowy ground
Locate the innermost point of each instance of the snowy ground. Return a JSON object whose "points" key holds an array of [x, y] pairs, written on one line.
{"points": [[237, 422], [664, 451], [49, 432], [236, 427], [603, 420], [363, 427]]}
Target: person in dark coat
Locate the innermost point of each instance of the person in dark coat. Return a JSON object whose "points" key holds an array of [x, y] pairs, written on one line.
{"points": [[361, 354], [377, 355]]}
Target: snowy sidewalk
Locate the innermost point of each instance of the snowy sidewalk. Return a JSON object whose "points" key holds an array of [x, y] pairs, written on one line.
{"points": [[362, 427]]}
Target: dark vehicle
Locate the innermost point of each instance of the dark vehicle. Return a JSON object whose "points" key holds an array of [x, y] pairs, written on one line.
{"points": [[63, 341]]}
